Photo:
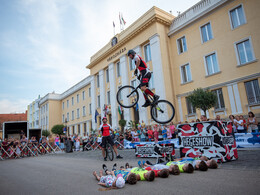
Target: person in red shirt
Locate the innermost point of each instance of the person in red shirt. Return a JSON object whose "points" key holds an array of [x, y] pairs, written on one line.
{"points": [[105, 129], [156, 133], [150, 133]]}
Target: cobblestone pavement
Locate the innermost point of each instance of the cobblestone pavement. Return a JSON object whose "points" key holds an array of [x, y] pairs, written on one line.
{"points": [[72, 174]]}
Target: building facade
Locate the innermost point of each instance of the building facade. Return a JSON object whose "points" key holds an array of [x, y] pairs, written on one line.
{"points": [[214, 44]]}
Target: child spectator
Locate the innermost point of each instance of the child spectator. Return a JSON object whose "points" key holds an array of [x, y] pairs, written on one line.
{"points": [[252, 123]]}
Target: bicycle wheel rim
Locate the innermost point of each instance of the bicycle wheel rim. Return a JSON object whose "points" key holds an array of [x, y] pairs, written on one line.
{"points": [[110, 153], [162, 112], [123, 100]]}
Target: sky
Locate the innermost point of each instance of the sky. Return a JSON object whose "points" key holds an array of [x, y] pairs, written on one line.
{"points": [[45, 45]]}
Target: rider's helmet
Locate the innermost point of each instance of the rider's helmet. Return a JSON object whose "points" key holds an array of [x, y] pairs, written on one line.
{"points": [[104, 118], [131, 52]]}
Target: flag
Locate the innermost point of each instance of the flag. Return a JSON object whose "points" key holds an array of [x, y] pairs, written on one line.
{"points": [[96, 114], [120, 110], [137, 107], [114, 24], [121, 19]]}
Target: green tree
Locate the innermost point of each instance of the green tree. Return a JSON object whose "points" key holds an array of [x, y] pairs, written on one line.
{"points": [[203, 99], [45, 133], [57, 129], [122, 124]]}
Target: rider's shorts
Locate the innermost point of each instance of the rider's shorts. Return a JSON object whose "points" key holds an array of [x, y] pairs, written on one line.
{"points": [[145, 79], [108, 139]]}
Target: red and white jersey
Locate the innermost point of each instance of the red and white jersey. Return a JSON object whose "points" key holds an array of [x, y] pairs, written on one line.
{"points": [[105, 129]]}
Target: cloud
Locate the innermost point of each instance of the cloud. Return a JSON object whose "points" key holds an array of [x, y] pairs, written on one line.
{"points": [[18, 106]]}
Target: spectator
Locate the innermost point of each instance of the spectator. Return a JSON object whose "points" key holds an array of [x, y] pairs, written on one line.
{"points": [[239, 124], [156, 133], [150, 133], [252, 123], [169, 134], [203, 118], [217, 118], [139, 133], [57, 140], [142, 136], [232, 121], [142, 124], [197, 120], [244, 122], [172, 129], [164, 133], [62, 142], [22, 134], [77, 146], [24, 140]]}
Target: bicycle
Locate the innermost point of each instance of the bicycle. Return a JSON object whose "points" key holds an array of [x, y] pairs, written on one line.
{"points": [[162, 111], [109, 151]]}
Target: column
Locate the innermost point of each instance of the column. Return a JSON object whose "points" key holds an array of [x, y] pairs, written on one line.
{"points": [[81, 129], [93, 101], [102, 91], [142, 110], [125, 81], [157, 66], [237, 99], [113, 95], [88, 127], [180, 109]]}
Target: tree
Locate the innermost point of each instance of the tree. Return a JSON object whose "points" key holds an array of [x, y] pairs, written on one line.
{"points": [[122, 124], [203, 99], [45, 133], [57, 129]]}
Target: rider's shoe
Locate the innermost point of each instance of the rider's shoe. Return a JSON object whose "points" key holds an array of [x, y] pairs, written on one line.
{"points": [[147, 103], [105, 159], [156, 98], [114, 167], [118, 156]]}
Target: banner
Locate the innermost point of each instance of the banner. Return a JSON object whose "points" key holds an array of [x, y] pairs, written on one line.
{"points": [[248, 140], [211, 139], [132, 145], [155, 150]]}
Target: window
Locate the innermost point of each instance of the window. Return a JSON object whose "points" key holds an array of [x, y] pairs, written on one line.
{"points": [[68, 117], [118, 69], [211, 64], [108, 97], [120, 94], [185, 73], [98, 101], [83, 95], [206, 32], [252, 92], [97, 80], [84, 111], [132, 64], [220, 101], [181, 45], [90, 110], [89, 92], [63, 118], [147, 53], [67, 103], [72, 101], [78, 115], [107, 75], [62, 105], [133, 83], [77, 98], [72, 115], [244, 51], [237, 17], [190, 108]]}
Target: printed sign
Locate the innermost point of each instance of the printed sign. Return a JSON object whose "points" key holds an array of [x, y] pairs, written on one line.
{"points": [[154, 150]]}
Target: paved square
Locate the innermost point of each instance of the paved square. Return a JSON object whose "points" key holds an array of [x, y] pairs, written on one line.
{"points": [[72, 174]]}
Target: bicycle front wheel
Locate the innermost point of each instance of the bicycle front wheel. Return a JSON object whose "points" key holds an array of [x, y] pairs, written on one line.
{"points": [[162, 112], [127, 96], [109, 152]]}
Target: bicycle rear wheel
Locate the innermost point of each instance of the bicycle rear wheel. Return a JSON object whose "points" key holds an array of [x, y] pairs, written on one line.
{"points": [[162, 112], [127, 97], [109, 152]]}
